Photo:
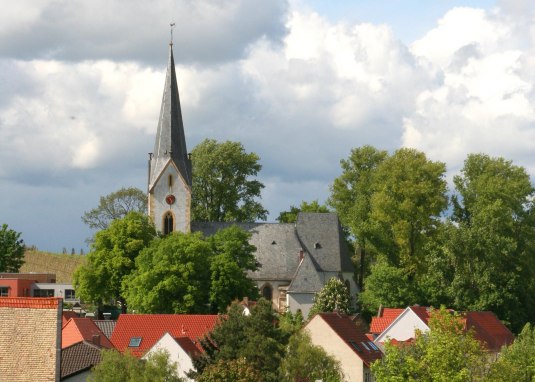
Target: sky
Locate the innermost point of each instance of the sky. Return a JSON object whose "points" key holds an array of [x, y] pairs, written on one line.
{"points": [[299, 82]]}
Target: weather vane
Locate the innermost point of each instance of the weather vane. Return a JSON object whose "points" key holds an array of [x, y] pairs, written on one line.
{"points": [[172, 26]]}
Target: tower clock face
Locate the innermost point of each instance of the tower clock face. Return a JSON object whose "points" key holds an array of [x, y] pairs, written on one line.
{"points": [[170, 199]]}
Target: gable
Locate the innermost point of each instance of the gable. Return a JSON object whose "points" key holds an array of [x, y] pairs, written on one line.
{"points": [[404, 326]]}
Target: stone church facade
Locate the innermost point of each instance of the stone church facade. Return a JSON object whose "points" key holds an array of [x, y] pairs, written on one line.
{"points": [[296, 260]]}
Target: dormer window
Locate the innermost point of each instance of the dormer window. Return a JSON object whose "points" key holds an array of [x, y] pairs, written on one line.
{"points": [[317, 245], [134, 342]]}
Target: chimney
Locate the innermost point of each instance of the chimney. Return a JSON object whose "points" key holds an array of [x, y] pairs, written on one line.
{"points": [[96, 339]]}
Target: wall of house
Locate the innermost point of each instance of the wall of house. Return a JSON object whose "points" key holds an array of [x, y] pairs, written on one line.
{"points": [[80, 377], [322, 335], [176, 354], [17, 287], [182, 206], [59, 290], [303, 301], [403, 328]]}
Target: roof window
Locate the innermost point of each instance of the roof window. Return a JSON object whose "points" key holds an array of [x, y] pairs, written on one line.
{"points": [[356, 346], [134, 342], [373, 346]]}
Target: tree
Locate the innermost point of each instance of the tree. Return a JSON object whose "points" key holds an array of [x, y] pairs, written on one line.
{"points": [[116, 206], [491, 239], [234, 370], [187, 273], [112, 258], [255, 338], [117, 367], [516, 362], [11, 250], [351, 195], [306, 362], [291, 216], [446, 353], [334, 296], [224, 186]]}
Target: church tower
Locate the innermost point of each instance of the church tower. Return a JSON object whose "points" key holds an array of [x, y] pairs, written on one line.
{"points": [[169, 183]]}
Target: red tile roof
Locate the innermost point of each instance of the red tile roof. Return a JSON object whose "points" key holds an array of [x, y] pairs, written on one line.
{"points": [[349, 332], [30, 302], [67, 315], [83, 329], [151, 327], [422, 312], [189, 346], [489, 330], [385, 318]]}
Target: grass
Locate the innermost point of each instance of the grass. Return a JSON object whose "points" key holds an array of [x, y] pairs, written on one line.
{"points": [[44, 262]]}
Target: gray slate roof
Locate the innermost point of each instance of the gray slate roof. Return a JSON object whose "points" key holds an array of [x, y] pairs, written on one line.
{"points": [[170, 140], [106, 326], [79, 357], [278, 249]]}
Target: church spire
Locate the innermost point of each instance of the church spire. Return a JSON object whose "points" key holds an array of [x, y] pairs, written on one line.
{"points": [[170, 140]]}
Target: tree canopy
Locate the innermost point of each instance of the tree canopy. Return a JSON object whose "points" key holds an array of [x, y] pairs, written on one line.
{"points": [[11, 250], [334, 296], [291, 215], [187, 273], [112, 258], [224, 186], [116, 206]]}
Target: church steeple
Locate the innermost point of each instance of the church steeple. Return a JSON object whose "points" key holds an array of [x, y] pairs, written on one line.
{"points": [[169, 183], [170, 139]]}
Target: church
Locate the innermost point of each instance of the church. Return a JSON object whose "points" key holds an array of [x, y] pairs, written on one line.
{"points": [[296, 259]]}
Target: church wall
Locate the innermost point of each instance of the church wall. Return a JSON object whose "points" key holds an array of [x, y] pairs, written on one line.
{"points": [[303, 301], [181, 207], [277, 295]]}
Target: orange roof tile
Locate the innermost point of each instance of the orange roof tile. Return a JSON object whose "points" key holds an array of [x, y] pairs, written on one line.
{"points": [[151, 327], [30, 302], [387, 315], [489, 330], [350, 333], [82, 329], [67, 315], [424, 313]]}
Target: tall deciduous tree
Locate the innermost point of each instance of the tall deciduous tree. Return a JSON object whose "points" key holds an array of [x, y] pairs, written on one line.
{"points": [[492, 239], [116, 206], [334, 296], [446, 353], [225, 187], [11, 250], [112, 258], [291, 215]]}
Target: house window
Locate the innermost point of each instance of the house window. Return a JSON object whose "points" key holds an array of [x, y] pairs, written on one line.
{"points": [[69, 294], [368, 377], [134, 342], [372, 345], [4, 291], [267, 292], [43, 293], [356, 346], [168, 223]]}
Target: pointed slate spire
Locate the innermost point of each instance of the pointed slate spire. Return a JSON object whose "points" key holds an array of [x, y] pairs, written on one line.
{"points": [[170, 140]]}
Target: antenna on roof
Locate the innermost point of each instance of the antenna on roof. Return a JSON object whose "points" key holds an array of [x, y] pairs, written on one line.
{"points": [[171, 25]]}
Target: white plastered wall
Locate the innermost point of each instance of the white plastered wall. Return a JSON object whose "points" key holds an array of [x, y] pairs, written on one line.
{"points": [[176, 354]]}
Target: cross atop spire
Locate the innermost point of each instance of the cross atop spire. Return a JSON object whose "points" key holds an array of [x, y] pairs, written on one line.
{"points": [[171, 25]]}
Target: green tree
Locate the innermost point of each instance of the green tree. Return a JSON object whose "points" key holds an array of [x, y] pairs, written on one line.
{"points": [[11, 250], [255, 337], [333, 296], [291, 216], [306, 362], [112, 258], [447, 353], [116, 206], [516, 362], [224, 184], [351, 195], [117, 367], [186, 273], [491, 241], [234, 370]]}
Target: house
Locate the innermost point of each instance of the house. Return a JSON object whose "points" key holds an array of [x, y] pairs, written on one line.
{"points": [[296, 260], [30, 339], [384, 318], [182, 351], [83, 329], [138, 333], [343, 339], [78, 359], [487, 328], [35, 285]]}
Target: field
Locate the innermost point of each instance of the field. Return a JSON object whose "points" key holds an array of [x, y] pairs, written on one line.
{"points": [[44, 262]]}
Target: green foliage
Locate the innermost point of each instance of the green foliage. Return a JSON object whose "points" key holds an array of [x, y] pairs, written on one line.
{"points": [[446, 353], [516, 362], [116, 206], [234, 370], [186, 273], [291, 216], [333, 296], [224, 186], [307, 362], [113, 256], [255, 338], [11, 250], [117, 367], [290, 323]]}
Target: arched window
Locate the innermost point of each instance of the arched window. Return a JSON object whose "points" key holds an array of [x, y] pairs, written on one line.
{"points": [[170, 181], [267, 292], [168, 223]]}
